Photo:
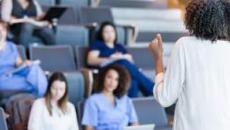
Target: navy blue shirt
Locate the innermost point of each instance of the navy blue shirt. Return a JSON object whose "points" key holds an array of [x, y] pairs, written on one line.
{"points": [[106, 51]]}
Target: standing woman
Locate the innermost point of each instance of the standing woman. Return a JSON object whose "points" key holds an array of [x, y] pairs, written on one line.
{"points": [[110, 108], [198, 74], [25, 19], [106, 49], [54, 111]]}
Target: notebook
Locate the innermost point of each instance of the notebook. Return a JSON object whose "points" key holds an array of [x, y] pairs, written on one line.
{"points": [[141, 127], [54, 13]]}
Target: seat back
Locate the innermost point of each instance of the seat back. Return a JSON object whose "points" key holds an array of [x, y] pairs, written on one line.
{"points": [[54, 58], [149, 111]]}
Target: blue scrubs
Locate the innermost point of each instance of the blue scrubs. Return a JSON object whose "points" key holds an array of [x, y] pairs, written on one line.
{"points": [[139, 80], [101, 114], [30, 79]]}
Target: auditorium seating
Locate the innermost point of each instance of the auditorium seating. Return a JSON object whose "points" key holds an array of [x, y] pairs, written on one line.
{"points": [[159, 4], [149, 111], [54, 58]]}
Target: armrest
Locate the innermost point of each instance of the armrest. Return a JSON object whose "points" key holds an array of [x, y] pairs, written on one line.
{"points": [[89, 80], [134, 29], [90, 25]]}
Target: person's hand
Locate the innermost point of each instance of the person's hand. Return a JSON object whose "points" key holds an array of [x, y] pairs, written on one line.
{"points": [[37, 23], [156, 47], [117, 56], [129, 58], [6, 115], [41, 23], [27, 62]]}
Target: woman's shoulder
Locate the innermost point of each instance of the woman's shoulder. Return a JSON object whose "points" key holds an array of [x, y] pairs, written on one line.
{"points": [[124, 98], [186, 39], [11, 45], [94, 97], [40, 101], [70, 105]]}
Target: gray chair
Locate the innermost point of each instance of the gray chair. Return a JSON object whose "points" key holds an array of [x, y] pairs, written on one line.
{"points": [[81, 56], [156, 4], [22, 51], [3, 125], [72, 35], [76, 87], [149, 111], [80, 112], [167, 36], [54, 58], [144, 63], [73, 3], [89, 15], [46, 2], [70, 17]]}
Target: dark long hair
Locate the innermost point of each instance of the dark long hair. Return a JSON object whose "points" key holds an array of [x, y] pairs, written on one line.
{"points": [[62, 103], [99, 35]]}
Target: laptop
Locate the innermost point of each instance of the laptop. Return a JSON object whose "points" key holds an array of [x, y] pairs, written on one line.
{"points": [[141, 127], [3, 125], [54, 13]]}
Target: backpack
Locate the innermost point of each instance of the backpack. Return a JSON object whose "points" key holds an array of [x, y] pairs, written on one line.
{"points": [[19, 107]]}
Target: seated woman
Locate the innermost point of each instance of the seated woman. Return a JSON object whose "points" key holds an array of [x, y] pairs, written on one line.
{"points": [[29, 79], [110, 108], [54, 111], [25, 19], [106, 50]]}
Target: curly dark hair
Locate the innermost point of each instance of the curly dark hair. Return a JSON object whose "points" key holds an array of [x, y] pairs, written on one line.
{"points": [[123, 81], [206, 19], [227, 16], [99, 35]]}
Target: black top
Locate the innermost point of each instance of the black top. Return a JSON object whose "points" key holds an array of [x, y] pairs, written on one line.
{"points": [[19, 12]]}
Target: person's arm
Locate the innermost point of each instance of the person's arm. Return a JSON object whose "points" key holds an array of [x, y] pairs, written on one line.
{"points": [[7, 7], [40, 13], [89, 128], [94, 59], [128, 57], [74, 125], [35, 118], [168, 86], [90, 115], [156, 47], [6, 11], [133, 120]]}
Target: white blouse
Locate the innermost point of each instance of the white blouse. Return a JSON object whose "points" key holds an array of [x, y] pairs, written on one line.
{"points": [[198, 79], [40, 118]]}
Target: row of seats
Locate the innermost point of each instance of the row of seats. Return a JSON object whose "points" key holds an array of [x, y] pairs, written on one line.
{"points": [[67, 58], [73, 3], [72, 61], [148, 112], [156, 4], [76, 25], [149, 22]]}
